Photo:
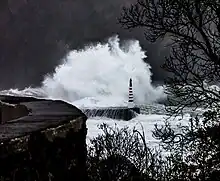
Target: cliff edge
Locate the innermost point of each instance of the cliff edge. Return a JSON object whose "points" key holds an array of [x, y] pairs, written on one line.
{"points": [[41, 140]]}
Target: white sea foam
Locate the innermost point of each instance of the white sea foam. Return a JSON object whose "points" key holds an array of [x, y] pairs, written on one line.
{"points": [[98, 75]]}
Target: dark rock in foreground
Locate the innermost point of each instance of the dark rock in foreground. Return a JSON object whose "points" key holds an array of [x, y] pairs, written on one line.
{"points": [[49, 143], [12, 111]]}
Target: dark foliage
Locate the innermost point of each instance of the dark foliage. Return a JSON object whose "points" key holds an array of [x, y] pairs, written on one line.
{"points": [[122, 154], [195, 150], [193, 29]]}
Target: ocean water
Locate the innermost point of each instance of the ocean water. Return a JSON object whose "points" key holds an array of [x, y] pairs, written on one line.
{"points": [[98, 76]]}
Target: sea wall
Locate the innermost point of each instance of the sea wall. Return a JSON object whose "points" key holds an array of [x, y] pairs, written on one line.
{"points": [[121, 113], [47, 144]]}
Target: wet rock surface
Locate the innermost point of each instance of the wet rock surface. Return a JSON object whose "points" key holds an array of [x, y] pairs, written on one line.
{"points": [[48, 143], [12, 111]]}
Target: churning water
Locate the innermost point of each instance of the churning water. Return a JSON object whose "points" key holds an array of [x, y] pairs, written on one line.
{"points": [[98, 76]]}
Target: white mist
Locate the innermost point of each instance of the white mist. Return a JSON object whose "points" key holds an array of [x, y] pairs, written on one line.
{"points": [[99, 76]]}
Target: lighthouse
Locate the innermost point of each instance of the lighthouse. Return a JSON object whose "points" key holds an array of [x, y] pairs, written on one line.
{"points": [[122, 113], [130, 95]]}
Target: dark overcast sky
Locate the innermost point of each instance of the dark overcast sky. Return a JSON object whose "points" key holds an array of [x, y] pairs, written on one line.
{"points": [[34, 35]]}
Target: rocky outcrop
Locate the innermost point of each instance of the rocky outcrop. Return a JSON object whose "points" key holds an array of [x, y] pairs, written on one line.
{"points": [[12, 111], [47, 144]]}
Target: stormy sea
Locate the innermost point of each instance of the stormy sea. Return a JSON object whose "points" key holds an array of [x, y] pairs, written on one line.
{"points": [[98, 76]]}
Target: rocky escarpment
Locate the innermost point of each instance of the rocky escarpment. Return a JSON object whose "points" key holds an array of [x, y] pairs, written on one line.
{"points": [[45, 140], [12, 111]]}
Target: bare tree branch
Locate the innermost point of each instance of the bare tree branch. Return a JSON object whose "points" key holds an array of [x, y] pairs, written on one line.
{"points": [[194, 61]]}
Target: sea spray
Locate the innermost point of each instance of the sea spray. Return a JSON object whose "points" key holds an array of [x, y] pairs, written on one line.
{"points": [[98, 76]]}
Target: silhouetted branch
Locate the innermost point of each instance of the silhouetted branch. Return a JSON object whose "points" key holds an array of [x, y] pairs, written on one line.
{"points": [[194, 61]]}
